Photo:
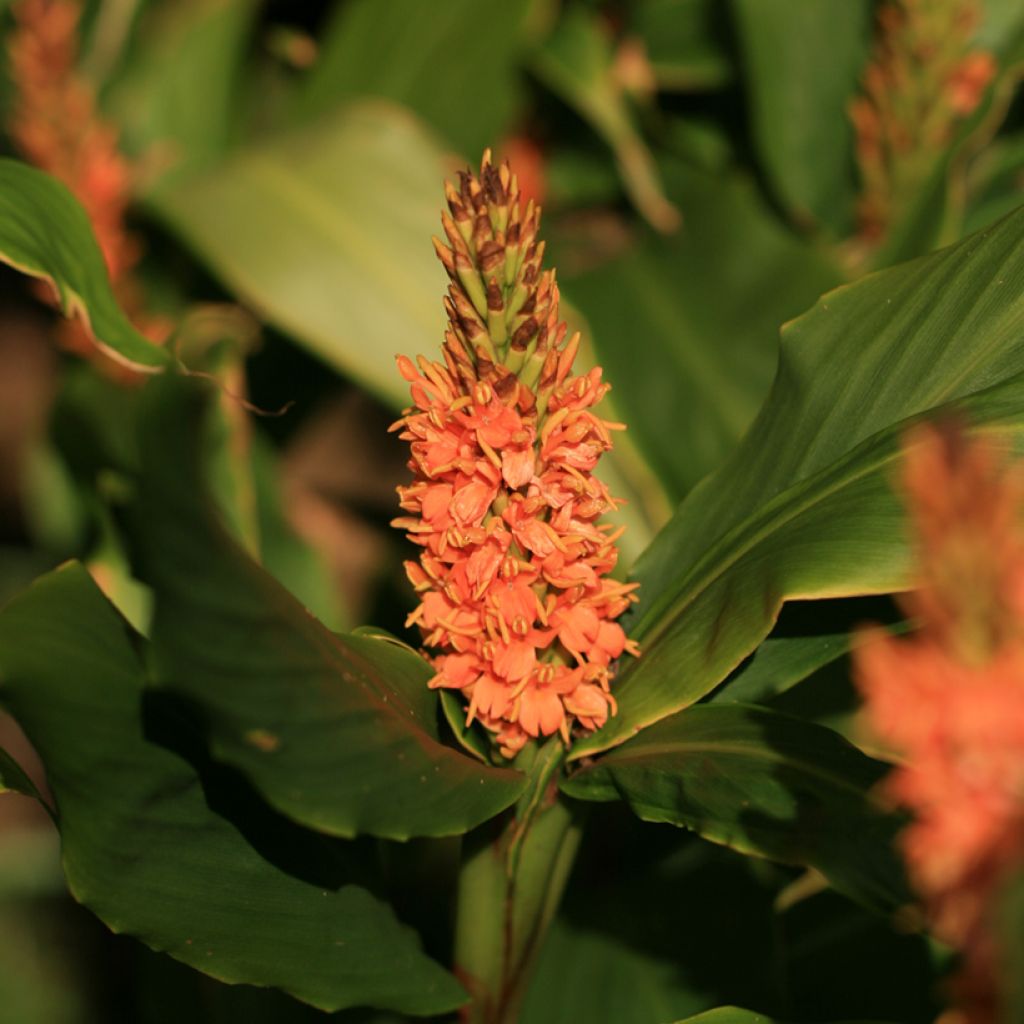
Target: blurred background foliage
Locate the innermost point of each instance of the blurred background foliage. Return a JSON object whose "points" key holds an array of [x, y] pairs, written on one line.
{"points": [[707, 169]]}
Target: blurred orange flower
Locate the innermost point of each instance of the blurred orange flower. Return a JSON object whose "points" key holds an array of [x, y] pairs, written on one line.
{"points": [[56, 125], [951, 698]]}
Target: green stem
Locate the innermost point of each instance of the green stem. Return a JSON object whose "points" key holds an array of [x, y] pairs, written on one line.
{"points": [[513, 873]]}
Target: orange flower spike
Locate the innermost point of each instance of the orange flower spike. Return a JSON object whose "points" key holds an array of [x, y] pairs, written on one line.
{"points": [[503, 502], [950, 699], [925, 76], [55, 124]]}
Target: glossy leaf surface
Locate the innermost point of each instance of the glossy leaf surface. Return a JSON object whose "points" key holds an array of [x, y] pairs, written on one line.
{"points": [[46, 234], [339, 732], [762, 783], [804, 508], [193, 866]]}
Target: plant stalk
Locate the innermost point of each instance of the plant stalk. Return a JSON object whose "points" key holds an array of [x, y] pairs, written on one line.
{"points": [[513, 873]]}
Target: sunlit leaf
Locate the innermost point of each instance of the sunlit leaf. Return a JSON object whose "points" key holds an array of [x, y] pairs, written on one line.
{"points": [[46, 234], [325, 231], [804, 508]]}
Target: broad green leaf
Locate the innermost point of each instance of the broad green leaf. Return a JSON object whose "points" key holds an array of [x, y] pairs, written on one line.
{"points": [[46, 234], [685, 42], [804, 508], [803, 61], [576, 63], [339, 733], [779, 664], [707, 303], [192, 865], [451, 63], [591, 975], [734, 1015], [325, 231], [764, 784], [179, 114], [808, 637]]}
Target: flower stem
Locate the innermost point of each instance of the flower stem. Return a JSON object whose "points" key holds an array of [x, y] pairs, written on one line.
{"points": [[513, 874]]}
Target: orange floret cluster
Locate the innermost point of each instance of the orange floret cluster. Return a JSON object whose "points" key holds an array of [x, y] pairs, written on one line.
{"points": [[513, 584], [951, 699], [55, 123], [925, 76]]}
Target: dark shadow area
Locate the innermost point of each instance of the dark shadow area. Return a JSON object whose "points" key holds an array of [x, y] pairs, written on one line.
{"points": [[704, 921], [417, 877], [172, 723]]}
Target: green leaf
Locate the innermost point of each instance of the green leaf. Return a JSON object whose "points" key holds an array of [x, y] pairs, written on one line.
{"points": [[325, 231], [686, 43], [577, 63], [428, 57], [764, 784], [734, 1015], [339, 733], [804, 508], [193, 866], [804, 59], [180, 114], [707, 302], [808, 637], [46, 234], [1002, 28]]}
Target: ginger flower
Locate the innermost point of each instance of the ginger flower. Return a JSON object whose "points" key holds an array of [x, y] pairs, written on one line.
{"points": [[950, 699], [924, 78], [56, 125], [515, 599]]}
